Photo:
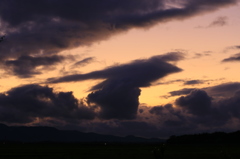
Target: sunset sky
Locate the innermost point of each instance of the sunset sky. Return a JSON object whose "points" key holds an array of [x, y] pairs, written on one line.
{"points": [[150, 68]]}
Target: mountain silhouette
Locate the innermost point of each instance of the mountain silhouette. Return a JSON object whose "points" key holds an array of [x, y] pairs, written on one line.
{"points": [[50, 134]]}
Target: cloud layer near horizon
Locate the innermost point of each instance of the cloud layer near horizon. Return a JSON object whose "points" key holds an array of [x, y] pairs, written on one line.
{"points": [[48, 27], [198, 111]]}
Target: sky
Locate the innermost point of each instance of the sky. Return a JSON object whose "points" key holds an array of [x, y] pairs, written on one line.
{"points": [[131, 67]]}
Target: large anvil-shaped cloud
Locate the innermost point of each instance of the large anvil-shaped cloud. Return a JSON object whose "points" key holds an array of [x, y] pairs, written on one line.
{"points": [[138, 73], [117, 96]]}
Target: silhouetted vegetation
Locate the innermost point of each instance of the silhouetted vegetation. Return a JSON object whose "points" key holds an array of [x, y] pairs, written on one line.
{"points": [[76, 151], [207, 138]]}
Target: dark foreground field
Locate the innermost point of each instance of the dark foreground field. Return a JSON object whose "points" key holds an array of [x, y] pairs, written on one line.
{"points": [[111, 151]]}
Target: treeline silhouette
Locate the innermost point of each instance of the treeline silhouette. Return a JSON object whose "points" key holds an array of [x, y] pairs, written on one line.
{"points": [[206, 138]]}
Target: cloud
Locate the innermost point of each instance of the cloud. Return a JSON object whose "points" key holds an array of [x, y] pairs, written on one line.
{"points": [[197, 112], [231, 105], [193, 82], [197, 102], [117, 100], [170, 82], [27, 66], [138, 73], [194, 112], [230, 48], [33, 103], [223, 90], [83, 62], [220, 21], [214, 106], [172, 56], [199, 55], [234, 58], [218, 91], [65, 24], [117, 96], [207, 111], [183, 91]]}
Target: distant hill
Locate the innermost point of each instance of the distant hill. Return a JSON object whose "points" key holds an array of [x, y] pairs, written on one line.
{"points": [[50, 134], [207, 138]]}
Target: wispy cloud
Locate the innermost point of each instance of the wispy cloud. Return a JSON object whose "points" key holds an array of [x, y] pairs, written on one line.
{"points": [[218, 22], [234, 58]]}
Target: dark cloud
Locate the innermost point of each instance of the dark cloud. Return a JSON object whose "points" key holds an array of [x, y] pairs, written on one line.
{"points": [[193, 113], [83, 62], [231, 105], [218, 91], [172, 120], [197, 102], [193, 82], [234, 58], [49, 27], [197, 112], [156, 110], [209, 112], [27, 66], [117, 100], [223, 90], [33, 103], [138, 73], [168, 112], [233, 87], [183, 91], [117, 96], [170, 82], [172, 56], [186, 82], [141, 110], [206, 110]]}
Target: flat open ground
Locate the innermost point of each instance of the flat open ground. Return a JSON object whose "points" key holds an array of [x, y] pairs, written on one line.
{"points": [[132, 151]]}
